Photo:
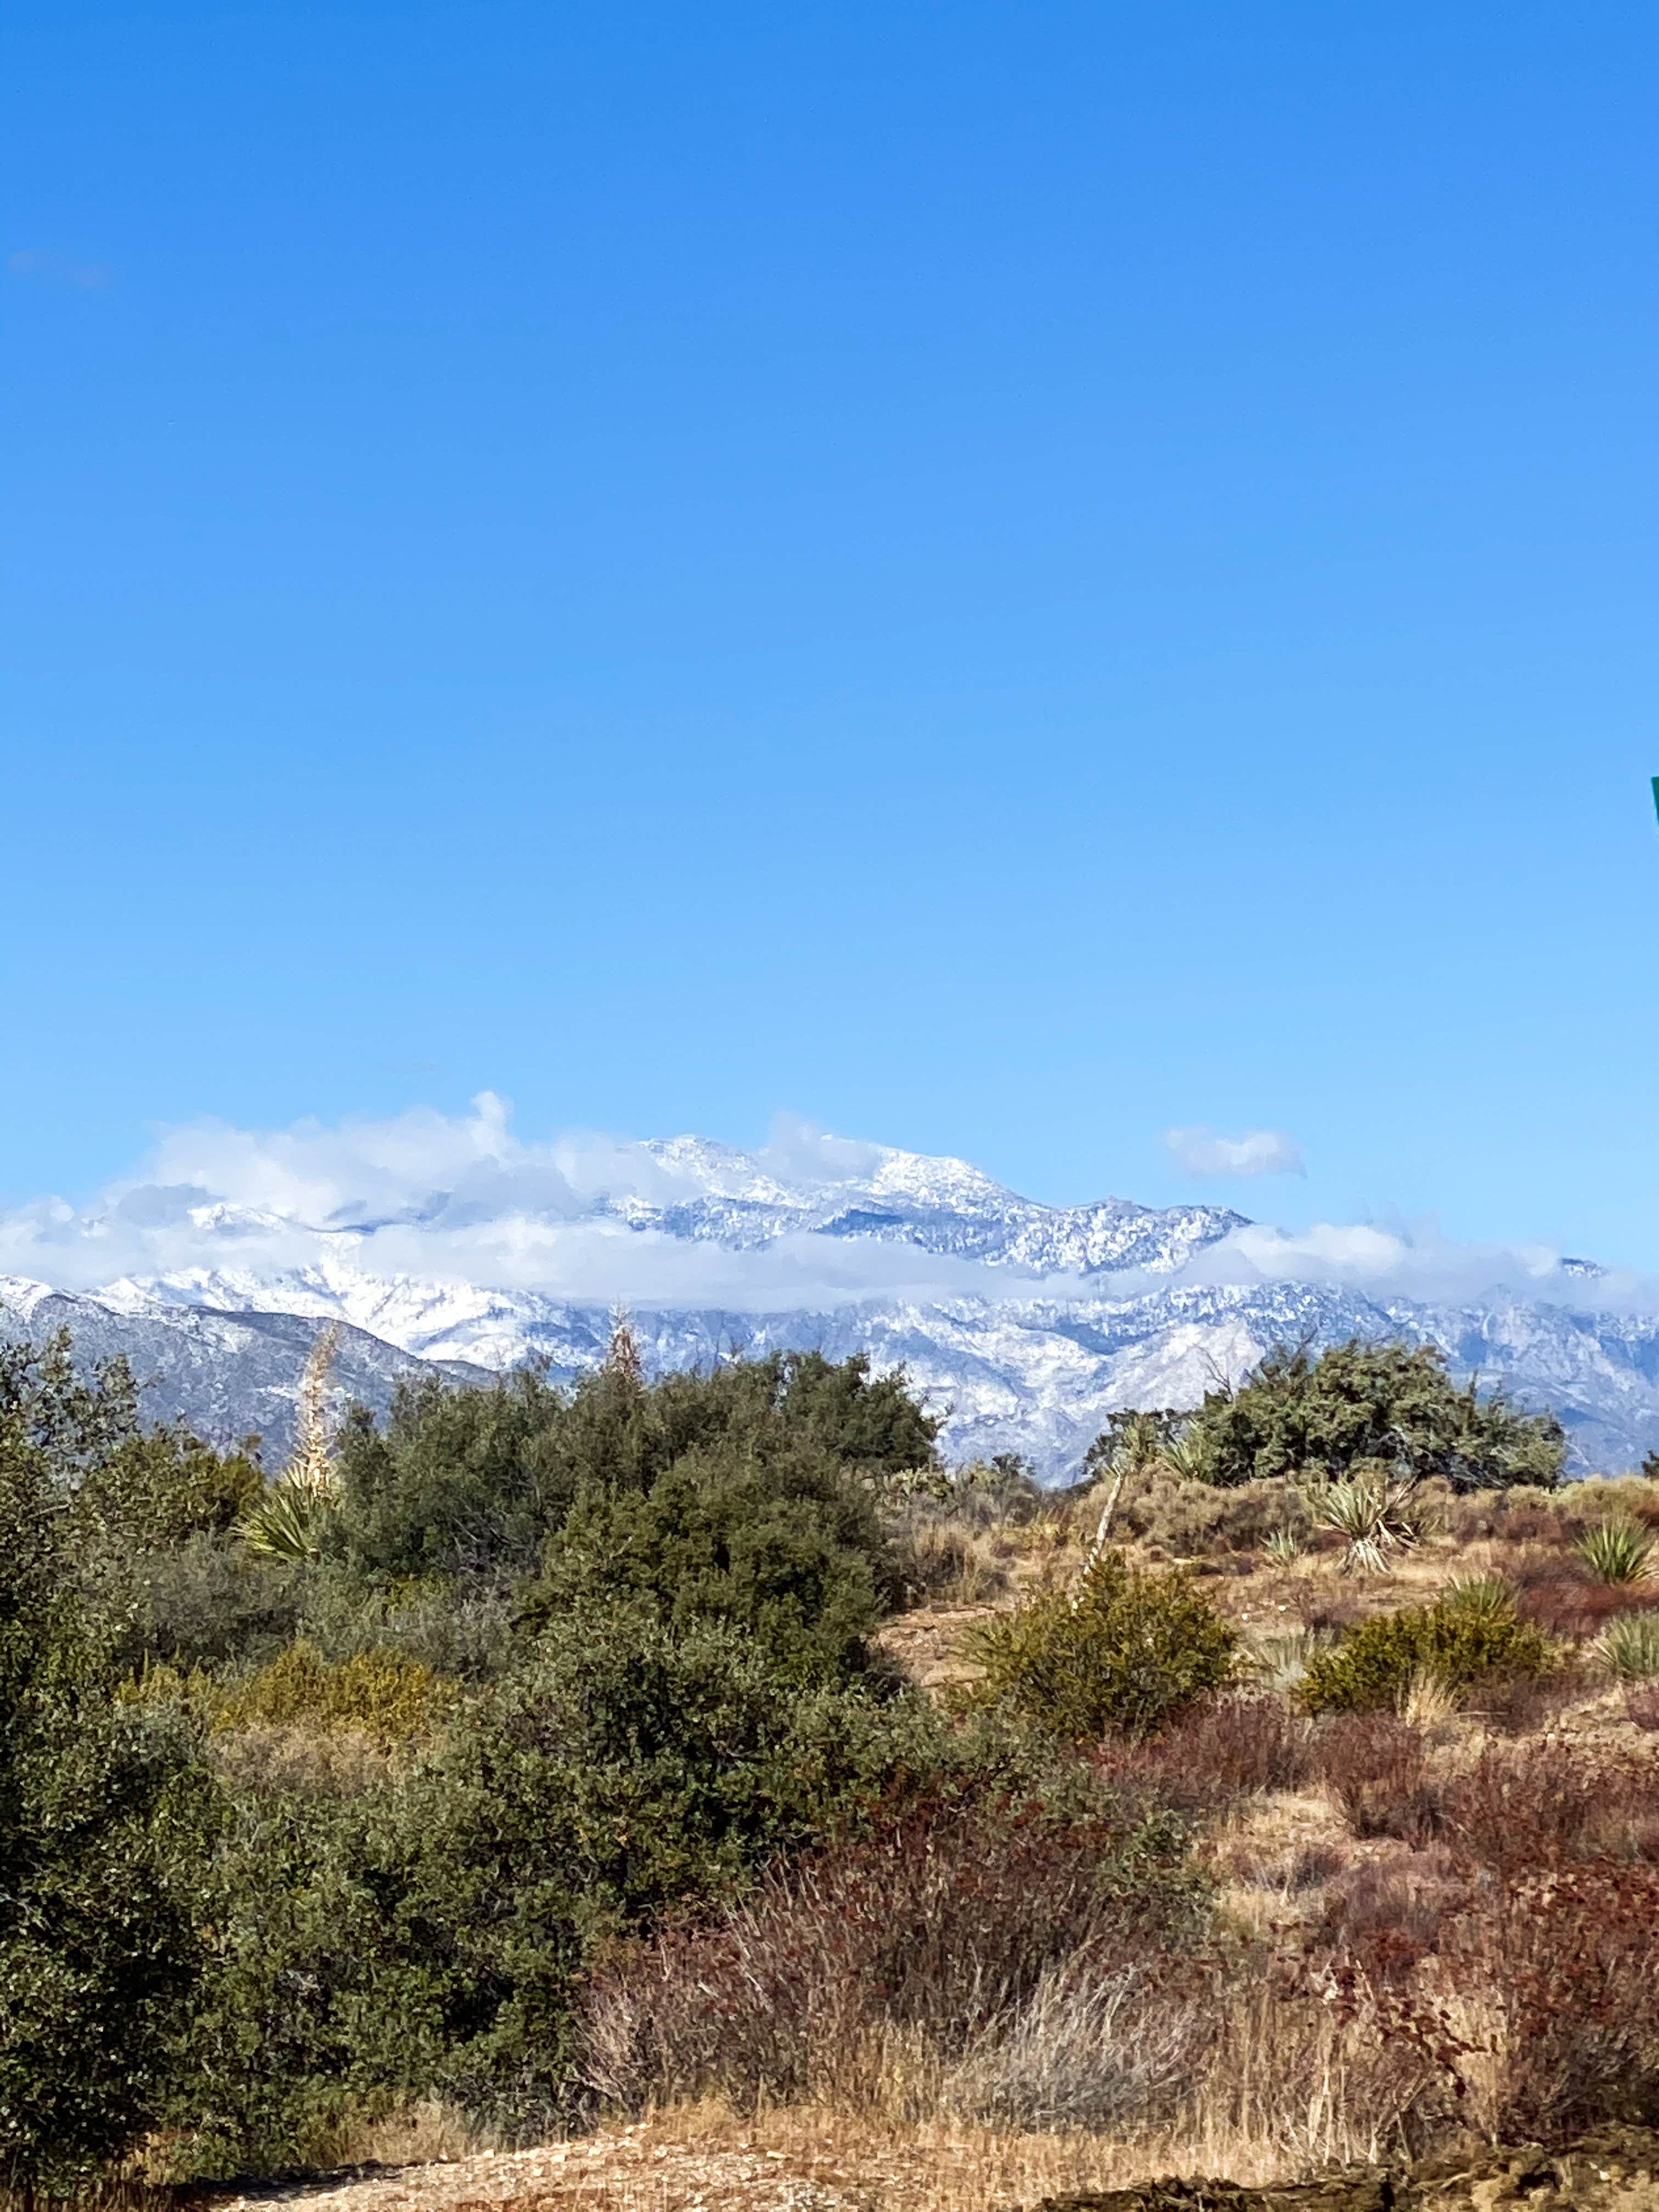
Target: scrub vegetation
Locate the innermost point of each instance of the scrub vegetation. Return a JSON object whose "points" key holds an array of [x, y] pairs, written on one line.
{"points": [[537, 1756]]}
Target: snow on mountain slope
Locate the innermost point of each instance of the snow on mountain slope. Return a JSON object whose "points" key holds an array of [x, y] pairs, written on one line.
{"points": [[1027, 1322]]}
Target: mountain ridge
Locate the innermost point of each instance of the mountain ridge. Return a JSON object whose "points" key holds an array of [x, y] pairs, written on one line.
{"points": [[1042, 1320]]}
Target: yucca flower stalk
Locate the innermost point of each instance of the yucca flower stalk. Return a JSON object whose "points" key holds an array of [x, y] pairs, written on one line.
{"points": [[287, 1523]]}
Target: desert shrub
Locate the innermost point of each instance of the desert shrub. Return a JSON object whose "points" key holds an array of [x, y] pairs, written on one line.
{"points": [[1375, 1766], [651, 1763], [998, 1493], [427, 1931], [459, 1626], [1521, 1514], [384, 1695], [103, 1817], [1095, 2044], [160, 1485], [477, 1481], [943, 1563], [1121, 1651], [1616, 1550], [1376, 1663], [1392, 1911], [784, 1544], [863, 1420], [1532, 2018], [1523, 1808], [1553, 1591], [1220, 1750], [1628, 1647], [344, 1967], [1301, 1415], [454, 1480], [940, 1927], [205, 1602], [1190, 1519]]}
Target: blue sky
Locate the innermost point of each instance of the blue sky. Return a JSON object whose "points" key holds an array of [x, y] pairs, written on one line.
{"points": [[1003, 578]]}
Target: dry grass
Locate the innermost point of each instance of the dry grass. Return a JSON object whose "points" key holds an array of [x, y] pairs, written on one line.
{"points": [[807, 2158]]}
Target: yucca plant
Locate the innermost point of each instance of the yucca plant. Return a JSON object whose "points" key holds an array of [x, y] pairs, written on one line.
{"points": [[288, 1521], [1617, 1550], [1629, 1647], [1278, 1662], [1283, 1548], [1183, 1454], [1487, 1595], [1377, 1512]]}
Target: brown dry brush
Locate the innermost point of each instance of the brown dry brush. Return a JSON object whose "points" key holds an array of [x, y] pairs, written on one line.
{"points": [[1217, 1752], [1513, 1955], [1492, 1976], [973, 1958]]}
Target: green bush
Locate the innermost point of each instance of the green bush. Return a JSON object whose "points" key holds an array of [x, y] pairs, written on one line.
{"points": [[161, 1485], [429, 1935], [1458, 1644], [207, 1602], [784, 1545], [475, 1481], [340, 1974], [1300, 1415], [103, 1817], [1123, 1651]]}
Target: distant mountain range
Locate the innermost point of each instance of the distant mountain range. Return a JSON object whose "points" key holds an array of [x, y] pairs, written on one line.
{"points": [[1068, 1312]]}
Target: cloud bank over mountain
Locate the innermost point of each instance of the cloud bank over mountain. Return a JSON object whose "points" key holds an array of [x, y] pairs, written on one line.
{"points": [[583, 1215], [451, 1239]]}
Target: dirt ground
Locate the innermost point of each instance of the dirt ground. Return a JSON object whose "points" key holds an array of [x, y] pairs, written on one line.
{"points": [[653, 2169]]}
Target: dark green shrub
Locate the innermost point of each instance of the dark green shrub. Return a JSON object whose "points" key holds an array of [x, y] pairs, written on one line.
{"points": [[428, 1934], [474, 1481], [455, 1480], [1299, 1415], [208, 1601], [1122, 1652], [103, 1818], [785, 1545], [340, 1975], [160, 1486], [1457, 1645]]}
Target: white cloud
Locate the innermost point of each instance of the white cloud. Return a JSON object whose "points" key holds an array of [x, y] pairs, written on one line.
{"points": [[461, 1197], [454, 1199], [1258, 1151]]}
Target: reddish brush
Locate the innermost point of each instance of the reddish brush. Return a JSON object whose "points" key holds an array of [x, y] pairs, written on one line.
{"points": [[1227, 1748], [1521, 1810], [1536, 2016], [940, 1926], [1567, 1603], [1376, 1766]]}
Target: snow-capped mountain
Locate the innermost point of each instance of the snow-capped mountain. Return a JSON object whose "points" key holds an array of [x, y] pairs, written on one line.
{"points": [[1028, 1322]]}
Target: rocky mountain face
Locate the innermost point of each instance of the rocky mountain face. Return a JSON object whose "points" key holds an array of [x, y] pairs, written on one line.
{"points": [[1071, 1312]]}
